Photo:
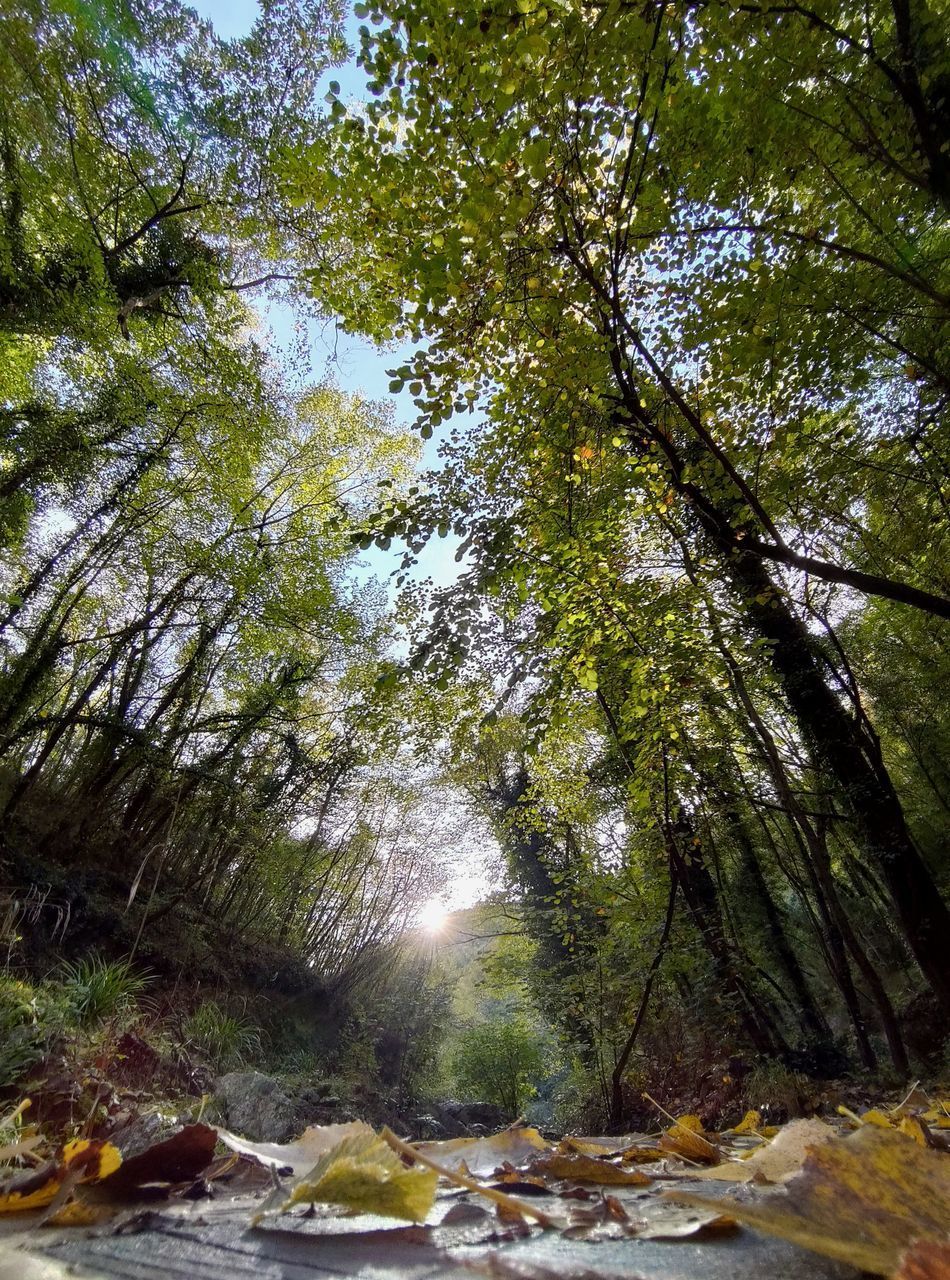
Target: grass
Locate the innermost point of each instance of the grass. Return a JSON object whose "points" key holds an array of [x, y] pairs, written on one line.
{"points": [[100, 989], [224, 1040]]}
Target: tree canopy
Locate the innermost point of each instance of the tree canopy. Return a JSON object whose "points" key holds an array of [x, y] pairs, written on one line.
{"points": [[677, 279]]}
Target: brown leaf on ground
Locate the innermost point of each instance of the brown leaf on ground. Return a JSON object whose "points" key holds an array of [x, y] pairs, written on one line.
{"points": [[180, 1157], [683, 1140], [926, 1260], [581, 1168], [862, 1199]]}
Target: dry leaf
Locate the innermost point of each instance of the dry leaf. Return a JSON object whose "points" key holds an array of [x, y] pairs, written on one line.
{"points": [[664, 1220], [641, 1155], [482, 1156], [779, 1160], [80, 1161], [862, 1199], [581, 1168], [749, 1123], [690, 1122], [180, 1157], [683, 1140], [301, 1155], [912, 1127], [588, 1146], [926, 1260], [461, 1179]]}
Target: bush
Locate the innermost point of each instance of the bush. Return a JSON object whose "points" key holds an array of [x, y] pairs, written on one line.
{"points": [[500, 1062], [31, 1020], [98, 989], [224, 1040]]}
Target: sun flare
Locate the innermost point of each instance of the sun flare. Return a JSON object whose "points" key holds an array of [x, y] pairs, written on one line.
{"points": [[433, 916]]}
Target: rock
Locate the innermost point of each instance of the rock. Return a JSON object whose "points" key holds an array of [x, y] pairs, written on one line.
{"points": [[426, 1128], [256, 1106], [469, 1119]]}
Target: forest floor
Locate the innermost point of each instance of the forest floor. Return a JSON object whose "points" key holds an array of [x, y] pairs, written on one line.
{"points": [[821, 1198]]}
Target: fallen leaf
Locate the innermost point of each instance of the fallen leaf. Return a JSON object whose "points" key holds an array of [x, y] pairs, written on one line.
{"points": [[862, 1199], [663, 1220], [684, 1141], [300, 1155], [641, 1155], [455, 1175], [364, 1173], [180, 1157], [749, 1123], [912, 1127], [79, 1161], [588, 1146], [483, 1156], [926, 1260], [580, 1168], [780, 1160]]}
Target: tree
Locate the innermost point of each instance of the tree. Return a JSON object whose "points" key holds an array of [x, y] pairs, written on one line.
{"points": [[556, 205]]}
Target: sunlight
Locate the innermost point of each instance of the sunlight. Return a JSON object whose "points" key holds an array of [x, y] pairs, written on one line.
{"points": [[432, 916]]}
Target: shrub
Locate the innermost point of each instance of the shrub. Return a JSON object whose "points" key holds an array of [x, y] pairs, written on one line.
{"points": [[98, 989], [31, 1019], [500, 1062]]}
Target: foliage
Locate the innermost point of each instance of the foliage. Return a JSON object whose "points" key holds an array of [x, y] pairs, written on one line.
{"points": [[624, 236], [98, 989], [500, 1061], [32, 1020], [226, 1040], [677, 280]]}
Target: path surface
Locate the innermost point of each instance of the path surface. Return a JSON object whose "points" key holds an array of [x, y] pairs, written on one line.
{"points": [[213, 1240]]}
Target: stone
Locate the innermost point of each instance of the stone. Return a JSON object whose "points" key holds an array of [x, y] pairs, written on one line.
{"points": [[256, 1106]]}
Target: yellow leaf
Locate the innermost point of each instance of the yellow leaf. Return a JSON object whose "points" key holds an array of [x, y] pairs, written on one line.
{"points": [[686, 1139], [96, 1160], [363, 1173], [862, 1199], [877, 1117], [749, 1123], [640, 1155], [80, 1213], [81, 1160], [914, 1129], [31, 1191], [692, 1123]]}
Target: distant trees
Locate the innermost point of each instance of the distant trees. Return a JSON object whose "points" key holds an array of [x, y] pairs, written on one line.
{"points": [[185, 666]]}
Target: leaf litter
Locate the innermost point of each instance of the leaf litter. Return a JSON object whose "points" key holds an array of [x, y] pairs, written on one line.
{"points": [[877, 1196]]}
